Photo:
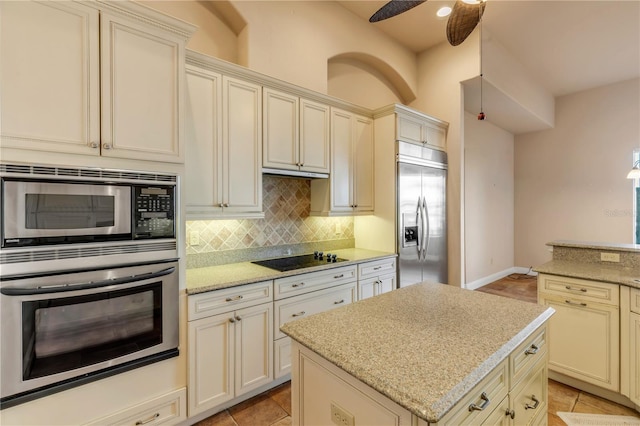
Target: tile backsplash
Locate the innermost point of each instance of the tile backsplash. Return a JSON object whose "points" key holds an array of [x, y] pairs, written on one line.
{"points": [[286, 204]]}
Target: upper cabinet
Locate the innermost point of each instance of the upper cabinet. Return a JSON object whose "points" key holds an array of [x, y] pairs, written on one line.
{"points": [[296, 133], [223, 176], [419, 128], [92, 78], [350, 188]]}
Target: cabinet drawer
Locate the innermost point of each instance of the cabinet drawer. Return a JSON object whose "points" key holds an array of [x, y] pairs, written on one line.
{"points": [[166, 409], [635, 300], [580, 289], [225, 300], [304, 283], [376, 268], [488, 393], [529, 398], [313, 303], [527, 354]]}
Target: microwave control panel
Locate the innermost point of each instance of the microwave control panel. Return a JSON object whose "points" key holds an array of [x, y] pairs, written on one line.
{"points": [[154, 212]]}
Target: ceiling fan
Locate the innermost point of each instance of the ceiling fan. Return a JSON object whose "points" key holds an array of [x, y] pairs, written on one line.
{"points": [[463, 19]]}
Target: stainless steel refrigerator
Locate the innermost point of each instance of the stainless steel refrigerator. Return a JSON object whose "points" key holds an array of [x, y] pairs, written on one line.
{"points": [[422, 214]]}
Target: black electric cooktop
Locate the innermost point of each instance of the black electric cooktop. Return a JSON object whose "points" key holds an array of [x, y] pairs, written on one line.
{"points": [[291, 263]]}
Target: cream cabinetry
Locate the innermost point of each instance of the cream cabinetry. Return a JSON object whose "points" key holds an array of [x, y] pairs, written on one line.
{"points": [[376, 278], [307, 294], [99, 78], [166, 409], [224, 146], [632, 361], [419, 129], [584, 333], [230, 344], [350, 188], [295, 133]]}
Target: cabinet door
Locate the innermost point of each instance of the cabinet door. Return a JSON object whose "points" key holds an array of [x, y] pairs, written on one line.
{"points": [[364, 163], [49, 77], [529, 398], [584, 340], [142, 71], [280, 132], [211, 362], [341, 161], [367, 288], [386, 284], [242, 146], [435, 136], [634, 358], [203, 140], [314, 137], [254, 347]]}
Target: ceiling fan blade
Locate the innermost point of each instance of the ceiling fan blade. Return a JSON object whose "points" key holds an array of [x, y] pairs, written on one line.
{"points": [[463, 19], [393, 8]]}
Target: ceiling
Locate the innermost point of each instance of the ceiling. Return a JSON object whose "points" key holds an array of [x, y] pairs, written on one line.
{"points": [[566, 46]]}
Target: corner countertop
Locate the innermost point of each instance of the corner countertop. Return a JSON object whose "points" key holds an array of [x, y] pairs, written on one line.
{"points": [[596, 245], [592, 271], [200, 280], [424, 346]]}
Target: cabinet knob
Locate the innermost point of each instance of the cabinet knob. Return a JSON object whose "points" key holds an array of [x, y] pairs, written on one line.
{"points": [[231, 320], [94, 144], [238, 318], [106, 146], [511, 413], [225, 205]]}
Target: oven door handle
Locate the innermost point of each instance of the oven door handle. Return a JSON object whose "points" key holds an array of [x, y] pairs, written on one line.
{"points": [[13, 291]]}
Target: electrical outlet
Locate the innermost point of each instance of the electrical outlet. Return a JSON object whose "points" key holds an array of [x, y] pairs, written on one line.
{"points": [[338, 228], [610, 257], [341, 417], [194, 238]]}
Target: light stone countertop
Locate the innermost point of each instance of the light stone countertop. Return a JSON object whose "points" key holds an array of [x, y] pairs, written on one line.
{"points": [[593, 245], [200, 280], [424, 346], [592, 271]]}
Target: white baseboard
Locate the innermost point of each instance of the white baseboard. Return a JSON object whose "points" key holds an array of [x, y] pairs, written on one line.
{"points": [[474, 285]]}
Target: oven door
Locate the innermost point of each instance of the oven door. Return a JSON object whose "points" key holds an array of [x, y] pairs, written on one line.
{"points": [[64, 327], [37, 212]]}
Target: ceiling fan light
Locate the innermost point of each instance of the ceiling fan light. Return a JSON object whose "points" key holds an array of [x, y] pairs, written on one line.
{"points": [[443, 12], [471, 1]]}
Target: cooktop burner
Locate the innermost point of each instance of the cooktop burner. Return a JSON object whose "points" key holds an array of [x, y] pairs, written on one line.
{"points": [[290, 263]]}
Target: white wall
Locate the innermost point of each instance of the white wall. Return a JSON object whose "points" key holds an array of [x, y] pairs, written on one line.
{"points": [[570, 181], [489, 200]]}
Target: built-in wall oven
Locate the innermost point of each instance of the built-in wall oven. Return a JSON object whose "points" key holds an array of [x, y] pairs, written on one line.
{"points": [[88, 276]]}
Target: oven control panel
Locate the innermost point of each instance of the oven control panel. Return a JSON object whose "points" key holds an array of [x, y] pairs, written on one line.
{"points": [[154, 212]]}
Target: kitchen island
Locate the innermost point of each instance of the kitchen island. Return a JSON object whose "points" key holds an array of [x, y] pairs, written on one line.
{"points": [[427, 353]]}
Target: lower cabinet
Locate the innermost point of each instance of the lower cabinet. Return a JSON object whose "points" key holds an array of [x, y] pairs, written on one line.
{"points": [[376, 278], [634, 346], [166, 409], [584, 332], [230, 354]]}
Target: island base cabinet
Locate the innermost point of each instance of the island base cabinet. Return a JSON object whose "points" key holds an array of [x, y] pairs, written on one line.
{"points": [[634, 361], [323, 395]]}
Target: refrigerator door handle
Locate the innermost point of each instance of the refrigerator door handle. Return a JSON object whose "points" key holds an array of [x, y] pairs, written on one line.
{"points": [[425, 226], [420, 228]]}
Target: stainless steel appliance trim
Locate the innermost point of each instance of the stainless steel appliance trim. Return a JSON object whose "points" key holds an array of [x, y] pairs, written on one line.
{"points": [[420, 162], [84, 174]]}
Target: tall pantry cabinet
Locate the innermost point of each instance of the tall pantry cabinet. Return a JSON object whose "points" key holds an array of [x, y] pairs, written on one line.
{"points": [[96, 78]]}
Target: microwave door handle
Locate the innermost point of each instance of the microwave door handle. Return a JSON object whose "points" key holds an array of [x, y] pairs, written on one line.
{"points": [[13, 291]]}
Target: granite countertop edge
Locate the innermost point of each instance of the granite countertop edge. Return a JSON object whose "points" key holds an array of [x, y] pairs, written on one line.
{"points": [[592, 271], [211, 278], [593, 245]]}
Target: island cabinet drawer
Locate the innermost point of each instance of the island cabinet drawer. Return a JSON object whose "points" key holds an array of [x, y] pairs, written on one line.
{"points": [[529, 397], [635, 300], [304, 283], [312, 303], [220, 301], [377, 267], [477, 404], [575, 288], [523, 358]]}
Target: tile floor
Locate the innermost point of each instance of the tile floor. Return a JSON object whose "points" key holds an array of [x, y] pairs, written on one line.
{"points": [[273, 408]]}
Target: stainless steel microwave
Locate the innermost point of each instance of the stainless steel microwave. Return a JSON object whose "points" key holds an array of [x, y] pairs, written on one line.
{"points": [[63, 211]]}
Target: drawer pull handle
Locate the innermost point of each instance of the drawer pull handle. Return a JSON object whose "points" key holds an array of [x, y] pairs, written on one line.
{"points": [[299, 314], [511, 413], [377, 267], [569, 302], [533, 349], [297, 285], [338, 276], [150, 419], [535, 405], [481, 407], [338, 302], [233, 299], [568, 287]]}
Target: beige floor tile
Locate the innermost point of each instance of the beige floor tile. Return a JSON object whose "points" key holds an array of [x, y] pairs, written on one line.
{"points": [[282, 395], [561, 397], [221, 419], [259, 411], [284, 422], [554, 420]]}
